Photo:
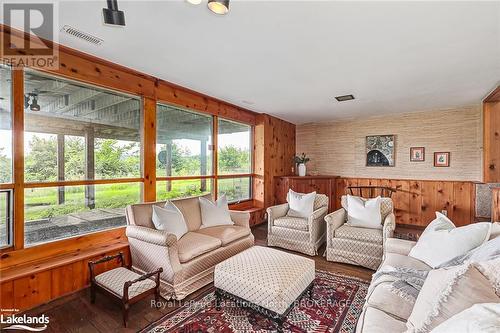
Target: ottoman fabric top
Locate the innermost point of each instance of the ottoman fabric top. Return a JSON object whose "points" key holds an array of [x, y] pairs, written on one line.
{"points": [[267, 277]]}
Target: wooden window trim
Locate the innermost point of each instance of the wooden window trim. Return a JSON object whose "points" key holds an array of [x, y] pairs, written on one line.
{"points": [[83, 182]]}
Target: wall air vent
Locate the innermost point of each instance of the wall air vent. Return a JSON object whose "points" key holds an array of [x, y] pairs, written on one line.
{"points": [[344, 98], [82, 35]]}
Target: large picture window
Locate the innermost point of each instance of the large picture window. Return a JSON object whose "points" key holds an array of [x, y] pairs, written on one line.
{"points": [[6, 175], [234, 157], [183, 149], [78, 133]]}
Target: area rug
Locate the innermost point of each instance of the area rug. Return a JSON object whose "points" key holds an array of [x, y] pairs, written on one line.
{"points": [[335, 306]]}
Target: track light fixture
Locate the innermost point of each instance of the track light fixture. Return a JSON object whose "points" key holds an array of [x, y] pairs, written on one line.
{"points": [[220, 7], [34, 105], [112, 15], [31, 102]]}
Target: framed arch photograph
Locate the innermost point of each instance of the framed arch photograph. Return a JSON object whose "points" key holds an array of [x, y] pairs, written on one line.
{"points": [[380, 150]]}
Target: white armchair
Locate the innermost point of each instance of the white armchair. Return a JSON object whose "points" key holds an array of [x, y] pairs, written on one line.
{"points": [[303, 235], [355, 245]]}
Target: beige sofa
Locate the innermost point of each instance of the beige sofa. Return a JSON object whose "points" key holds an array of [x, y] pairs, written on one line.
{"points": [[188, 263], [385, 311]]}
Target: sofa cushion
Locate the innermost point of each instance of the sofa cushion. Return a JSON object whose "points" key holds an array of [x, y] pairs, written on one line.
{"points": [[190, 209], [398, 260], [376, 321], [194, 244], [446, 292], [381, 298], [486, 320], [360, 234], [226, 234], [297, 223]]}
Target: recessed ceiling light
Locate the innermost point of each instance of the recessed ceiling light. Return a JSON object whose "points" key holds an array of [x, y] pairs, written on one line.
{"points": [[344, 98], [194, 2], [219, 7]]}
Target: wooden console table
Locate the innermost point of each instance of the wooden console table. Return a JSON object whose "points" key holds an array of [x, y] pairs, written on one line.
{"points": [[320, 184]]}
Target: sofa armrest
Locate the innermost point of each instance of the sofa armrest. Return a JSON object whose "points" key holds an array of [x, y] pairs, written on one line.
{"points": [[240, 218], [152, 236], [389, 226], [398, 246]]}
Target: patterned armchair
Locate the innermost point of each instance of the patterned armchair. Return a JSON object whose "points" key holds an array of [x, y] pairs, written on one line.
{"points": [[355, 245], [303, 235]]}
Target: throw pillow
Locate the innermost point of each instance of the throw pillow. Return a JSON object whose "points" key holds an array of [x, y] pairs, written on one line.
{"points": [[441, 241], [300, 204], [170, 219], [484, 317], [446, 292], [214, 213], [487, 251], [364, 213]]}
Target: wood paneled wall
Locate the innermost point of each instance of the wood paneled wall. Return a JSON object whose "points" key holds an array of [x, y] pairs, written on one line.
{"points": [[495, 210], [491, 118], [416, 201], [274, 151]]}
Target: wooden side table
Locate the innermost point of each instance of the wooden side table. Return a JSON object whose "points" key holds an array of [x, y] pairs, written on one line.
{"points": [[123, 284]]}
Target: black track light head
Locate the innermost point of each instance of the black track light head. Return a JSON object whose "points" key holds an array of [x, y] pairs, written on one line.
{"points": [[112, 15]]}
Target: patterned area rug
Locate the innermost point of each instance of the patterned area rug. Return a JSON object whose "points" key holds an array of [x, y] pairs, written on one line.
{"points": [[335, 306]]}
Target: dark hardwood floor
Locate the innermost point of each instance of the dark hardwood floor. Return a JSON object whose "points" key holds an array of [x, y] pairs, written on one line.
{"points": [[75, 313]]}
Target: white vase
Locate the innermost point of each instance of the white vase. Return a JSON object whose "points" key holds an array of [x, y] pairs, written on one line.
{"points": [[302, 169]]}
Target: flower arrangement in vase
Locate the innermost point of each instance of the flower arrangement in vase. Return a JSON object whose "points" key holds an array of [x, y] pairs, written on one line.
{"points": [[301, 161]]}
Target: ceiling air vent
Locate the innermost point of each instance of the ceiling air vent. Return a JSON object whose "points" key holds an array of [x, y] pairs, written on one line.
{"points": [[344, 98], [82, 35]]}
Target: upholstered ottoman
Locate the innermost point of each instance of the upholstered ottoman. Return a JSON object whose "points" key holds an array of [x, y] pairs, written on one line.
{"points": [[265, 279]]}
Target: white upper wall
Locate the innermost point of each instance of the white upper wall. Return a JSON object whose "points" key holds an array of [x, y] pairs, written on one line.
{"points": [[290, 58]]}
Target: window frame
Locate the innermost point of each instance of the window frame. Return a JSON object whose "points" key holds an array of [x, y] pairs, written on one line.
{"points": [[250, 175], [9, 187], [215, 176], [82, 182]]}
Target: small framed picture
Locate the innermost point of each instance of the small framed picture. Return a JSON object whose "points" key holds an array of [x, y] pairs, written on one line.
{"points": [[417, 154], [442, 159]]}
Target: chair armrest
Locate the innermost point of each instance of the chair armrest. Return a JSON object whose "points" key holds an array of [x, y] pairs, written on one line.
{"points": [[240, 218], [335, 220], [152, 236], [316, 223], [275, 212], [389, 226], [318, 214], [398, 246]]}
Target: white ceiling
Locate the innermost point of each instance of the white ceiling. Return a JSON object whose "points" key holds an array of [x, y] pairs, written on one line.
{"points": [[290, 58]]}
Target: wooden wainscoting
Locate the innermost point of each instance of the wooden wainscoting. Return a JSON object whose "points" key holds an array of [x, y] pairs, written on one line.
{"points": [[36, 275], [416, 201], [495, 210]]}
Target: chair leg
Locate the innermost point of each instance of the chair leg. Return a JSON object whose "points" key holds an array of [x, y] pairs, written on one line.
{"points": [[157, 298], [92, 293], [125, 314]]}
